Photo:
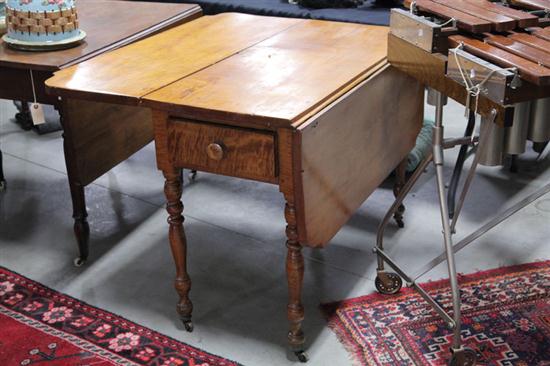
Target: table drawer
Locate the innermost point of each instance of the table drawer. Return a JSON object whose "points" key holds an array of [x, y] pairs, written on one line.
{"points": [[223, 150]]}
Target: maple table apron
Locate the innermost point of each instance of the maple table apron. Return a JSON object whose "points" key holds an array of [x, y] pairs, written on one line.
{"points": [[92, 147], [304, 104]]}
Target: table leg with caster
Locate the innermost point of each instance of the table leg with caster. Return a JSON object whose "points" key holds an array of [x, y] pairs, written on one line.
{"points": [[81, 226], [295, 277], [178, 244]]}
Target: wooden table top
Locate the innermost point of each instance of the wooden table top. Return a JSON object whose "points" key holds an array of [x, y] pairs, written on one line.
{"points": [[107, 23], [233, 68]]}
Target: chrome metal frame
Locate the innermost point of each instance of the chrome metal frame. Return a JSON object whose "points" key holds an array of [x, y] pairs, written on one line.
{"points": [[439, 145]]}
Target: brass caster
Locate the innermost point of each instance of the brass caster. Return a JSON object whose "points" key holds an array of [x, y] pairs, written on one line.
{"points": [[388, 283], [302, 356], [188, 324], [79, 262], [463, 357]]}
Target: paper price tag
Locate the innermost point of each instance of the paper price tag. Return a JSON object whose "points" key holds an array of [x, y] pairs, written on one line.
{"points": [[37, 114]]}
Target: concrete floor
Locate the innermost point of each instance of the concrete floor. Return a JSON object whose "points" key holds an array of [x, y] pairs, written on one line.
{"points": [[235, 230]]}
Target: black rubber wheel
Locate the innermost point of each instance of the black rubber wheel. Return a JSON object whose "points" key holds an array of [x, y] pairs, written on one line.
{"points": [[193, 175], [469, 358], [302, 356], [391, 286]]}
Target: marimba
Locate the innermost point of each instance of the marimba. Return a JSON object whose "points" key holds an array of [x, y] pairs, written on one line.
{"points": [[495, 59]]}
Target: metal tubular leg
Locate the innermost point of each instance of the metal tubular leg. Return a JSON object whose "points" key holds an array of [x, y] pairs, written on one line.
{"points": [[421, 291], [453, 185], [487, 129], [496, 220], [438, 161], [395, 206], [2, 179]]}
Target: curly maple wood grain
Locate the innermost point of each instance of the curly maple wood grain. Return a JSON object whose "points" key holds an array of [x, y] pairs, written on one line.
{"points": [[102, 135], [372, 137], [213, 148], [278, 81], [129, 73]]}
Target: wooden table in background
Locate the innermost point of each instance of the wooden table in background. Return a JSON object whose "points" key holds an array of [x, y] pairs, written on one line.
{"points": [[92, 145], [311, 106]]}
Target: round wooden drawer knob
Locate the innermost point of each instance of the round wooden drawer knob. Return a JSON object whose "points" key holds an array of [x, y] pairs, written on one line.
{"points": [[215, 151]]}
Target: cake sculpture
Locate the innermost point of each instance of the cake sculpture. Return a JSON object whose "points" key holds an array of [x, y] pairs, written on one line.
{"points": [[42, 24]]}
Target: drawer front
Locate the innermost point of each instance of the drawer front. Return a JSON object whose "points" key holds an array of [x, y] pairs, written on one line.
{"points": [[223, 150]]}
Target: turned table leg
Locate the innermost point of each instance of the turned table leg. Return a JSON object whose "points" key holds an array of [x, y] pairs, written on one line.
{"points": [[295, 276], [81, 227], [178, 244], [78, 196]]}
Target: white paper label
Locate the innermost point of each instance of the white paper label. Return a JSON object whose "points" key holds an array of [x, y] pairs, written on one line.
{"points": [[37, 114]]}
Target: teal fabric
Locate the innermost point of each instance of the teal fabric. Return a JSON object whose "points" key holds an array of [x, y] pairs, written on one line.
{"points": [[423, 145]]}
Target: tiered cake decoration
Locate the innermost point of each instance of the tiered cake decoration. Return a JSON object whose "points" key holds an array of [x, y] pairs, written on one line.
{"points": [[42, 24]]}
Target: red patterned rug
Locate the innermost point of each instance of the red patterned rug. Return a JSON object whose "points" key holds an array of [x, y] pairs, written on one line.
{"points": [[506, 320], [39, 326]]}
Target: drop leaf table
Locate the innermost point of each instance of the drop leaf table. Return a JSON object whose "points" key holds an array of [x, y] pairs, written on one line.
{"points": [[311, 106], [92, 143]]}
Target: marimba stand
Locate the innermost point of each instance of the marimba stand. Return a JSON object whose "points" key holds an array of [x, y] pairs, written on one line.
{"points": [[416, 47]]}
